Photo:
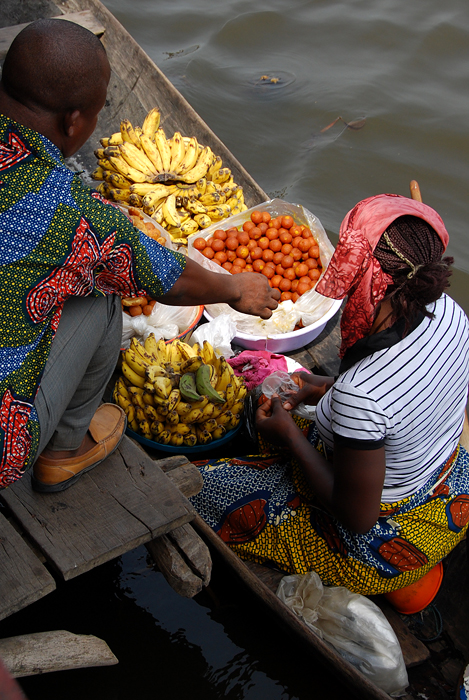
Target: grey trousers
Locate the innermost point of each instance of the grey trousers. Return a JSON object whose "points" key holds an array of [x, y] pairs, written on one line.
{"points": [[82, 359]]}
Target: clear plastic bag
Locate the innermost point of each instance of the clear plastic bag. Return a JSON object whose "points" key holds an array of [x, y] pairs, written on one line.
{"points": [[282, 384], [352, 624]]}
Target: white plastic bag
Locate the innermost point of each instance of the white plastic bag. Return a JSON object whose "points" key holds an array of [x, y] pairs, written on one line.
{"points": [[352, 624], [219, 333], [309, 308], [164, 321]]}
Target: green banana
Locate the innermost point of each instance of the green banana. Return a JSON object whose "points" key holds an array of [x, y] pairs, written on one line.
{"points": [[203, 383], [188, 387]]}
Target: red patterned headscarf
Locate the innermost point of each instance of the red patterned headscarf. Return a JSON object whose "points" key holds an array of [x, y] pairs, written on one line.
{"points": [[353, 269]]}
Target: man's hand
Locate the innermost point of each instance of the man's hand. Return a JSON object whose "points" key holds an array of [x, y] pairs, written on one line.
{"points": [[274, 423], [312, 388], [248, 292], [256, 297]]}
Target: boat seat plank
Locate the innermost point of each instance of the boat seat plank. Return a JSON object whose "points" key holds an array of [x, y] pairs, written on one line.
{"points": [[123, 503], [85, 19], [23, 578]]}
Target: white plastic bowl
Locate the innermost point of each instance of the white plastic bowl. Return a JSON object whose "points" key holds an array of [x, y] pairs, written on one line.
{"points": [[284, 342]]}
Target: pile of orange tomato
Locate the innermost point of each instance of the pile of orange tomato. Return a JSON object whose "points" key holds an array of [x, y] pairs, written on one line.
{"points": [[285, 252]]}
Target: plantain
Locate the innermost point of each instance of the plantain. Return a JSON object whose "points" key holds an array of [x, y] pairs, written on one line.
{"points": [[200, 168], [127, 170], [224, 418], [203, 383], [128, 133], [164, 437], [136, 158], [219, 432], [203, 436], [190, 440], [163, 387], [170, 213], [163, 148], [191, 365], [134, 378], [151, 123], [154, 371], [115, 139], [178, 151], [203, 220], [190, 156], [188, 388], [214, 168], [152, 153]]}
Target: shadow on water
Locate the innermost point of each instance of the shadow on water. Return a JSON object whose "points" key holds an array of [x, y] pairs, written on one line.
{"points": [[222, 644]]}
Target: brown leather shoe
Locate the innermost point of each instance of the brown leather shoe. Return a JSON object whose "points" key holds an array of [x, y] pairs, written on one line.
{"points": [[107, 430]]}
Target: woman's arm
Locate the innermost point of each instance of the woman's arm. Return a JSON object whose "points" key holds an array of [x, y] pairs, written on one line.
{"points": [[350, 487], [248, 292]]}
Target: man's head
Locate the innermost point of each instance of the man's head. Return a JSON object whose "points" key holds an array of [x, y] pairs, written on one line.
{"points": [[54, 80]]}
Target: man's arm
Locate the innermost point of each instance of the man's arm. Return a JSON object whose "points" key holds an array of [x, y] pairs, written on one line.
{"points": [[248, 292]]}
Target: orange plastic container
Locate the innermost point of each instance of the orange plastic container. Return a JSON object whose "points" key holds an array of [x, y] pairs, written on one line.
{"points": [[414, 598]]}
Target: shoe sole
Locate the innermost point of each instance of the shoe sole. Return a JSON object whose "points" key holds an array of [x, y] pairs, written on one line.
{"points": [[39, 487]]}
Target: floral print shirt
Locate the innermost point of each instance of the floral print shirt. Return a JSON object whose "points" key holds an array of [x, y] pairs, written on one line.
{"points": [[58, 238]]}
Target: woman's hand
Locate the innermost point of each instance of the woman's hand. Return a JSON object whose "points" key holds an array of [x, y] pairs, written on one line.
{"points": [[312, 388], [274, 423]]}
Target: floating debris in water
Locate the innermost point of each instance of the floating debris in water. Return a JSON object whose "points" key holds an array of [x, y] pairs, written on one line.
{"points": [[355, 124], [266, 78], [181, 52]]}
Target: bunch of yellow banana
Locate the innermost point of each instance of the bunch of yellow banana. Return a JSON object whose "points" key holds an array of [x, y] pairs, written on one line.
{"points": [[179, 395], [178, 182]]}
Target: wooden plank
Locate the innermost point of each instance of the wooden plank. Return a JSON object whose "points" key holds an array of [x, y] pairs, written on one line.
{"points": [[123, 503], [359, 686], [413, 650], [174, 568], [44, 652], [85, 19], [23, 579]]}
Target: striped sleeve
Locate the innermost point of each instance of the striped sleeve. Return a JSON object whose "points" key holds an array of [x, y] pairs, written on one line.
{"points": [[357, 420]]}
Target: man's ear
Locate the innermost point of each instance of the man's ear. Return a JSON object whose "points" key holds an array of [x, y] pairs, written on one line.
{"points": [[72, 123]]}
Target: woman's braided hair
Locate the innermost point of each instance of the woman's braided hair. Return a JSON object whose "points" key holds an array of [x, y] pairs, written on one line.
{"points": [[410, 251]]}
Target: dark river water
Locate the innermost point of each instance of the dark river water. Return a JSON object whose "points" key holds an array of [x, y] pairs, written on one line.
{"points": [[268, 78]]}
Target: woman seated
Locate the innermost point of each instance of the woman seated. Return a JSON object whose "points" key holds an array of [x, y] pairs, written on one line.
{"points": [[376, 492]]}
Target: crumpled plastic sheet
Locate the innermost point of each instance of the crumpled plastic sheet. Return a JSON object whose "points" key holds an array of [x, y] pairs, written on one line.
{"points": [[164, 321], [311, 307], [352, 624], [219, 332]]}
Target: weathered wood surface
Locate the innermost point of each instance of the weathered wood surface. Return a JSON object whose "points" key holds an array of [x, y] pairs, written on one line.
{"points": [[123, 503], [85, 19], [44, 652], [23, 579], [182, 556], [184, 560], [359, 686]]}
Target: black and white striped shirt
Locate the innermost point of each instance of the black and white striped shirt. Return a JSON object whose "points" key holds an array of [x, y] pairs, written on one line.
{"points": [[409, 397]]}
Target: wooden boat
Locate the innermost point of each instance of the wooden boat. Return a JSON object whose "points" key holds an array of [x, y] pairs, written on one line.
{"points": [[136, 86]]}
